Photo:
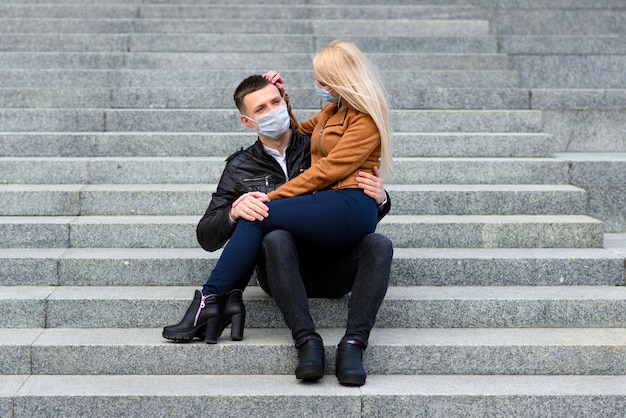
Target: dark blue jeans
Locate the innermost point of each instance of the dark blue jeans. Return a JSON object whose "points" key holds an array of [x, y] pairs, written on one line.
{"points": [[291, 278], [329, 222]]}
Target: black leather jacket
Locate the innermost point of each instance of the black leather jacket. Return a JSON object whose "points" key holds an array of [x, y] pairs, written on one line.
{"points": [[250, 170]]}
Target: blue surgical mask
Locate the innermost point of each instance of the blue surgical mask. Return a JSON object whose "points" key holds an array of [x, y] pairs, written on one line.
{"points": [[325, 95], [274, 123]]}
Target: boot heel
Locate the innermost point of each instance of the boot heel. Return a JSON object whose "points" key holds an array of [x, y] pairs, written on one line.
{"points": [[212, 330], [236, 326]]}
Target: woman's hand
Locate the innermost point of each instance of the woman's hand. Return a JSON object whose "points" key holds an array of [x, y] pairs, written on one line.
{"points": [[250, 206], [372, 185], [276, 79]]}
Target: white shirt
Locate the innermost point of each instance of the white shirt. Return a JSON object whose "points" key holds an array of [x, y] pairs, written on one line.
{"points": [[280, 158]]}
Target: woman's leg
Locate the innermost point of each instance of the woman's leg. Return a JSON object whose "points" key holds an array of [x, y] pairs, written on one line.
{"points": [[327, 221]]}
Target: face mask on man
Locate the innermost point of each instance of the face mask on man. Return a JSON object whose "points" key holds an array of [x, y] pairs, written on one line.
{"points": [[274, 123], [325, 94]]}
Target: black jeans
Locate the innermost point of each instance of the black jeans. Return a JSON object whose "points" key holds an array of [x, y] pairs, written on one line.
{"points": [[290, 278]]}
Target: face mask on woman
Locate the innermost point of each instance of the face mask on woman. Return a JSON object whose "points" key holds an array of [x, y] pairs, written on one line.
{"points": [[274, 123], [325, 94]]}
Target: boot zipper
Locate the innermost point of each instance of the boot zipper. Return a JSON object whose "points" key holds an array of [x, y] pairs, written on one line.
{"points": [[200, 308]]}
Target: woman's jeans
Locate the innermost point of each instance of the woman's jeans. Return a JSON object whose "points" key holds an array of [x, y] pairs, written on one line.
{"points": [[330, 223], [291, 279]]}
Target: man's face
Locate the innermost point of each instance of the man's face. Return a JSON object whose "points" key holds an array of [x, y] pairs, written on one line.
{"points": [[261, 101]]}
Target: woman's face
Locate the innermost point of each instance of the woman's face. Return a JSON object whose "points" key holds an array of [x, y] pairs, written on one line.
{"points": [[325, 86]]}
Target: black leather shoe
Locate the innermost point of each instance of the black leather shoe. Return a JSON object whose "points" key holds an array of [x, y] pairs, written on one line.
{"points": [[203, 309], [311, 360], [349, 366]]}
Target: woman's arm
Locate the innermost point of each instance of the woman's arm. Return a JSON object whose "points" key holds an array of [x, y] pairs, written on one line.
{"points": [[357, 143]]}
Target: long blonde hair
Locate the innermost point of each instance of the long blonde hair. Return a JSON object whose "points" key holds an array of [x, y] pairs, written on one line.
{"points": [[343, 67]]}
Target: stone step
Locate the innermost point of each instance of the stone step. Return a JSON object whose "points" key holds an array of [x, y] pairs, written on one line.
{"points": [[603, 176], [281, 396], [183, 199], [583, 120], [228, 81], [72, 42], [338, 27], [207, 170], [227, 10], [616, 243], [254, 61], [392, 351], [568, 62], [438, 231], [566, 19], [135, 144], [415, 97], [217, 120], [411, 266]]}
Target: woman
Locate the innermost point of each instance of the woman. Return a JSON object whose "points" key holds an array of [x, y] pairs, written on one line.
{"points": [[323, 206]]}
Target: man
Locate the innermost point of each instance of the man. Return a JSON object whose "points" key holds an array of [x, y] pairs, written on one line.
{"points": [[284, 270]]}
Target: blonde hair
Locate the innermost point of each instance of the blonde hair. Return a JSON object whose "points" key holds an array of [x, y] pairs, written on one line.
{"points": [[343, 67]]}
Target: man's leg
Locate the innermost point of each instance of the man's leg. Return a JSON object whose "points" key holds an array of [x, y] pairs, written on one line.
{"points": [[279, 275], [282, 280], [365, 271], [370, 285]]}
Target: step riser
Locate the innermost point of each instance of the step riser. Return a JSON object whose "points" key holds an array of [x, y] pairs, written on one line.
{"points": [[208, 171], [280, 396], [229, 26], [257, 61], [586, 130], [59, 202], [494, 235], [221, 144], [245, 43], [194, 98], [478, 312], [571, 72], [420, 267], [22, 120], [208, 82], [418, 232], [441, 353], [238, 11]]}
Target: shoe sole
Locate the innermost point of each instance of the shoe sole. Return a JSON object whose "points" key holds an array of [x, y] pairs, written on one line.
{"points": [[351, 380], [310, 375]]}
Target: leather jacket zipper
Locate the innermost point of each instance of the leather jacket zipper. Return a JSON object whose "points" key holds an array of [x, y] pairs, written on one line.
{"points": [[255, 179]]}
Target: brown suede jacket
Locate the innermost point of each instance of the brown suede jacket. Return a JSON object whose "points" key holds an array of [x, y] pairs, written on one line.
{"points": [[344, 141]]}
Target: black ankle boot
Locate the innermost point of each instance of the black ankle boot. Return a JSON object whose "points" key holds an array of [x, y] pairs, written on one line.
{"points": [[311, 360], [233, 314], [203, 309], [349, 365]]}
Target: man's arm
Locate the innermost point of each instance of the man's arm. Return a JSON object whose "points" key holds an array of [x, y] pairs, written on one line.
{"points": [[229, 203]]}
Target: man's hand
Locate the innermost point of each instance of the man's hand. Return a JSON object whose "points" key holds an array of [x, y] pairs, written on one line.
{"points": [[372, 185], [250, 206], [277, 80]]}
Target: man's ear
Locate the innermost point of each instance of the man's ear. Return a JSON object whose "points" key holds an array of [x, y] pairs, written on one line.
{"points": [[246, 122]]}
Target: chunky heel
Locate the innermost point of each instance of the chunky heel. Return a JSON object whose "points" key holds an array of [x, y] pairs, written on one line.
{"points": [[213, 330], [236, 326], [234, 314]]}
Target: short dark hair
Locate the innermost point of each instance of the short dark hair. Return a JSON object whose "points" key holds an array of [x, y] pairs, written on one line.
{"points": [[249, 85]]}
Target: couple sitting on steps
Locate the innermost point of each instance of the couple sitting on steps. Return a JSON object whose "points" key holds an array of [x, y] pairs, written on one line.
{"points": [[302, 204]]}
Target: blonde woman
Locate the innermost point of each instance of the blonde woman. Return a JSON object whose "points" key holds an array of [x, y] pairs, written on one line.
{"points": [[323, 208]]}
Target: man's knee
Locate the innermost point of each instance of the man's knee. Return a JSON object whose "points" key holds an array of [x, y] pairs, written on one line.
{"points": [[277, 241], [376, 245]]}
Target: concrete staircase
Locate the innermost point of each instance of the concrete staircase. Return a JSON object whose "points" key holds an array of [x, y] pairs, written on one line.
{"points": [[507, 297]]}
